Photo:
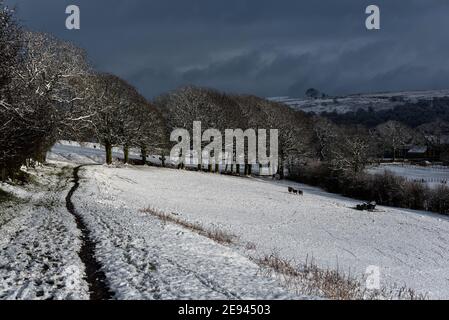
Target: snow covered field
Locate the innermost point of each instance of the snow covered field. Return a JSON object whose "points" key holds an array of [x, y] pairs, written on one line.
{"points": [[432, 176], [410, 247], [141, 257], [145, 258]]}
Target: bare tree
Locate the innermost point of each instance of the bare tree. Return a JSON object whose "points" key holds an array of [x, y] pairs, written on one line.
{"points": [[142, 125], [120, 116], [10, 45], [433, 133], [312, 93], [43, 81], [353, 150], [394, 135], [152, 134], [325, 134], [295, 135], [35, 93]]}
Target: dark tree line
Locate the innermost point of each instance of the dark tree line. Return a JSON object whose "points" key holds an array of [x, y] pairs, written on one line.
{"points": [[48, 91], [410, 114], [302, 138], [223, 111]]}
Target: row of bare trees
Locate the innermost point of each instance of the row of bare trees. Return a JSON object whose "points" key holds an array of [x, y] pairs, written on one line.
{"points": [[115, 114], [48, 91], [353, 147], [302, 138], [222, 111]]}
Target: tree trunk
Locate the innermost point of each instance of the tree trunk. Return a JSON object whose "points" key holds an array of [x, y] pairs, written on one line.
{"points": [[43, 157], [281, 164], [281, 170], [3, 174], [143, 154], [126, 154], [108, 147]]}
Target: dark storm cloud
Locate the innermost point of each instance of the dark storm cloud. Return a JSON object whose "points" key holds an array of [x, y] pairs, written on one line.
{"points": [[257, 46]]}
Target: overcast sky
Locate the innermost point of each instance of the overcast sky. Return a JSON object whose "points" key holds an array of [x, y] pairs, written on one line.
{"points": [[262, 47]]}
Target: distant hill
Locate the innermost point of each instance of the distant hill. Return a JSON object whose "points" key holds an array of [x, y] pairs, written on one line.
{"points": [[413, 108], [352, 103]]}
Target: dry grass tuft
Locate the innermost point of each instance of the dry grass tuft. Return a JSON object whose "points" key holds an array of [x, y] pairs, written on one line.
{"points": [[306, 279], [215, 234], [309, 279]]}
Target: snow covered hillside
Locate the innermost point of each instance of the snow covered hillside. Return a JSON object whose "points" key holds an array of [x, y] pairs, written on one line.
{"points": [[43, 247], [144, 258], [410, 247], [43, 252], [351, 103]]}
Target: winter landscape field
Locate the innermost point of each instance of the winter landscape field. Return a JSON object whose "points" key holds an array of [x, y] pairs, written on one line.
{"points": [[141, 157], [146, 257]]}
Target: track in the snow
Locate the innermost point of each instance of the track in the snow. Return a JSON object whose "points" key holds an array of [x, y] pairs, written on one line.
{"points": [[95, 277]]}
